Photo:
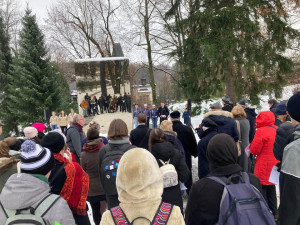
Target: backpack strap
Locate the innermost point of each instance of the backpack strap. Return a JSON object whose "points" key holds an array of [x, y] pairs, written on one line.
{"points": [[56, 174], [163, 213], [227, 181], [164, 163], [45, 205], [119, 216], [7, 214], [148, 131], [273, 127]]}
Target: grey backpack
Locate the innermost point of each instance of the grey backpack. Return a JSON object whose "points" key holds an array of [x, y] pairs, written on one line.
{"points": [[35, 216], [242, 204]]}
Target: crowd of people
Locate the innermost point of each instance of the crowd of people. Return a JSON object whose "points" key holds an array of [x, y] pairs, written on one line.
{"points": [[92, 106], [68, 177], [160, 113]]}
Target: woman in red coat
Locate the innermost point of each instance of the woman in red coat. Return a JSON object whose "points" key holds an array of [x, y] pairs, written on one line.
{"points": [[262, 146]]}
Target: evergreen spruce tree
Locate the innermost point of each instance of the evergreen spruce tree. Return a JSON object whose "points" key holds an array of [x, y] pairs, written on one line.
{"points": [[35, 84], [5, 61], [5, 57], [237, 47]]}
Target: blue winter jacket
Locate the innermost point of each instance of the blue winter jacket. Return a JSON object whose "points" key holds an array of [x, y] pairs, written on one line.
{"points": [[147, 112], [172, 137], [153, 113], [136, 112], [226, 123], [186, 117], [203, 165]]}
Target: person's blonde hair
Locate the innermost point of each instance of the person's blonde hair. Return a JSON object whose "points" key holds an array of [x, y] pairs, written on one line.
{"points": [[166, 125], [238, 111], [117, 129]]}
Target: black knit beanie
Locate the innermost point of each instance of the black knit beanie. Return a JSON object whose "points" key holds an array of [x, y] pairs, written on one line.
{"points": [[293, 106], [54, 141]]}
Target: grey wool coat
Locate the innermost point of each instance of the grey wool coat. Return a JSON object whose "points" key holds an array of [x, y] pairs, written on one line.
{"points": [[245, 129]]}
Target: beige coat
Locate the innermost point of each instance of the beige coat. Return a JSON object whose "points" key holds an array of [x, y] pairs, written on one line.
{"points": [[53, 120], [139, 185], [63, 121]]}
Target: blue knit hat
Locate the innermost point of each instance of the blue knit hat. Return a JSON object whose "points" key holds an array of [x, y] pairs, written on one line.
{"points": [[281, 109]]}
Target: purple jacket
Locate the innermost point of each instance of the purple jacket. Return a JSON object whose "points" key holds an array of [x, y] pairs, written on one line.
{"points": [[153, 113], [147, 112], [136, 112]]}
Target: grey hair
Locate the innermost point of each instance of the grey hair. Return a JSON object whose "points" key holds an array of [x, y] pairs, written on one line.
{"points": [[76, 118]]}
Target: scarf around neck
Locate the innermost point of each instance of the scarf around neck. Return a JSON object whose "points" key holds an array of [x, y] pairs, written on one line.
{"points": [[93, 145], [78, 126], [76, 186]]}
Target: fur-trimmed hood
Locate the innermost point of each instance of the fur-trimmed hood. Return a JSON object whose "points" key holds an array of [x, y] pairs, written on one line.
{"points": [[171, 133], [139, 178], [7, 162], [218, 113]]}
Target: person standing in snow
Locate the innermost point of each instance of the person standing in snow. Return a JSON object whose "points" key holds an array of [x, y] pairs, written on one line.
{"points": [[68, 179], [135, 113], [188, 140], [251, 117], [186, 116], [227, 105], [262, 146], [290, 195], [240, 115], [154, 116], [163, 112], [210, 129]]}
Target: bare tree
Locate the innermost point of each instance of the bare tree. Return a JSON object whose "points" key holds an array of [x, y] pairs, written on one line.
{"points": [[9, 11], [83, 29]]}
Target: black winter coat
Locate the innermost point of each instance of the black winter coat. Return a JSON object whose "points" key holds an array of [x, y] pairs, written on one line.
{"points": [[284, 136], [163, 112], [186, 135], [227, 107], [166, 151], [203, 165], [138, 138], [251, 116], [205, 197]]}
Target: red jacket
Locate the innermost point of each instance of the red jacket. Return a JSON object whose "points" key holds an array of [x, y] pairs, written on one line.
{"points": [[262, 146]]}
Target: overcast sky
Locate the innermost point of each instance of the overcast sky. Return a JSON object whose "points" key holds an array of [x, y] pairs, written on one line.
{"points": [[39, 7]]}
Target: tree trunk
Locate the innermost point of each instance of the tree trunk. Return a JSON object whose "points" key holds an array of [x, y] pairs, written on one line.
{"points": [[149, 50], [230, 88], [103, 79]]}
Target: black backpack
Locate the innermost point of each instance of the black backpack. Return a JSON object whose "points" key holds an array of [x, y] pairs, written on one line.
{"points": [[110, 164]]}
